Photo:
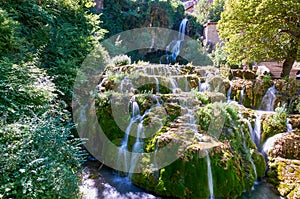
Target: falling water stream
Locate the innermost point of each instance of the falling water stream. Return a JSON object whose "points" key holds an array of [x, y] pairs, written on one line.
{"points": [[209, 176], [268, 101], [117, 187], [174, 46]]}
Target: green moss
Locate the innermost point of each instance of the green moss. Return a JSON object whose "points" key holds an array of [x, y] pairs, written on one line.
{"points": [[274, 124], [260, 163]]}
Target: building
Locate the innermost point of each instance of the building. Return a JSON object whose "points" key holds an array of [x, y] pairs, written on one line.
{"points": [[210, 35]]}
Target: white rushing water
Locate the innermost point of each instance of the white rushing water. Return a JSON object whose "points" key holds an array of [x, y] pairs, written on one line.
{"points": [[257, 129], [268, 100], [229, 92], [209, 176], [242, 95], [175, 45], [122, 154]]}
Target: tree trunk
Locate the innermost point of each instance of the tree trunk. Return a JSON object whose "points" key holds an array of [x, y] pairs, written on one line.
{"points": [[289, 61], [287, 67]]}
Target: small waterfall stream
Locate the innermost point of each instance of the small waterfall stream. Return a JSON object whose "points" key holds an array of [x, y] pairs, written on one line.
{"points": [[257, 129], [268, 100], [209, 176], [229, 93], [242, 95], [122, 155], [175, 45]]}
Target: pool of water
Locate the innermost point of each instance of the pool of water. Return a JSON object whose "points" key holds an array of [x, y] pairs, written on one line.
{"points": [[112, 186]]}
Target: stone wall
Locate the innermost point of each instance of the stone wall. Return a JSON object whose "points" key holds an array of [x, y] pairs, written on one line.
{"points": [[210, 34], [99, 5]]}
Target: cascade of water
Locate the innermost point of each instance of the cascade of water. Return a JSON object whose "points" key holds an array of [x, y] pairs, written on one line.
{"points": [[157, 84], [289, 126], [204, 86], [257, 129], [229, 92], [246, 149], [124, 144], [209, 176], [244, 142], [199, 84], [176, 44], [242, 95], [268, 99], [252, 134], [186, 84], [182, 29], [174, 85], [137, 148]]}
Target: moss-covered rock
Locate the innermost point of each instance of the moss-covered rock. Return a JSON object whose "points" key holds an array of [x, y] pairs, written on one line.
{"points": [[284, 174]]}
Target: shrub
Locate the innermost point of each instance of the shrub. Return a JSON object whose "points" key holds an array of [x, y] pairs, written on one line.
{"points": [[39, 160], [121, 60], [24, 89]]}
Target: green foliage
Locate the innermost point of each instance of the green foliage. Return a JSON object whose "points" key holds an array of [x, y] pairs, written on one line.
{"points": [[60, 43], [267, 78], [124, 15], [218, 56], [42, 43], [209, 11], [261, 30], [121, 60], [275, 123], [24, 89], [8, 29], [38, 159]]}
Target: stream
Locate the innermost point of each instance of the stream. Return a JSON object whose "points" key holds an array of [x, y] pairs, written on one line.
{"points": [[101, 182]]}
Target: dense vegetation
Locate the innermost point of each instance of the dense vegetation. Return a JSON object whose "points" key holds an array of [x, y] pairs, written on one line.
{"points": [[42, 43], [261, 30]]}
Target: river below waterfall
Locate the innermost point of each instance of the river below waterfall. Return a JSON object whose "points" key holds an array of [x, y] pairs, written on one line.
{"points": [[104, 183]]}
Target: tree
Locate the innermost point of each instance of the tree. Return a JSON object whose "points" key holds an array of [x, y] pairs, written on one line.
{"points": [[209, 10], [258, 30]]}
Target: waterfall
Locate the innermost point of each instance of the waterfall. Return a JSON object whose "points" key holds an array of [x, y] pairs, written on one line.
{"points": [[174, 85], [229, 92], [246, 149], [199, 84], [268, 99], [174, 46], [124, 144], [157, 84], [245, 145], [289, 127], [137, 148], [242, 95], [204, 87], [209, 176], [252, 134], [257, 130], [182, 29]]}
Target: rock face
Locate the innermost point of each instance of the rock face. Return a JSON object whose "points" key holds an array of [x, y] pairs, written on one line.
{"points": [[250, 92], [183, 105], [284, 164]]}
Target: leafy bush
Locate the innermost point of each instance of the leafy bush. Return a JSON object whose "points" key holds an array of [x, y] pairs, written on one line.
{"points": [[275, 123], [124, 15], [39, 160], [121, 60], [60, 43], [24, 89]]}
